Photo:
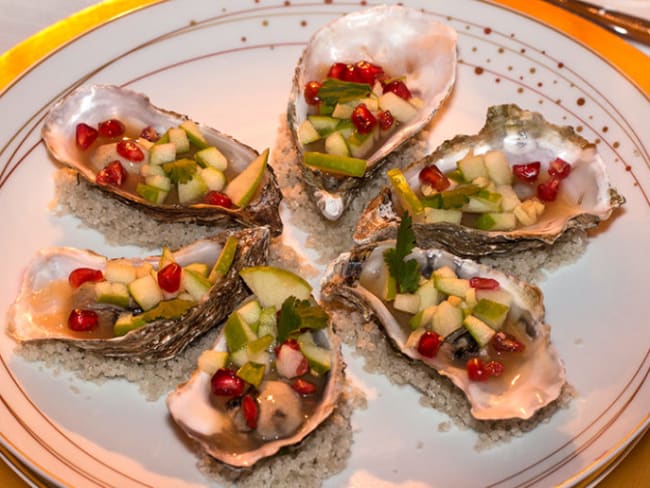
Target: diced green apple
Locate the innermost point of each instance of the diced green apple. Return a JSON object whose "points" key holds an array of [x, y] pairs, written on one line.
{"points": [[178, 137], [238, 332], [210, 361], [492, 313], [126, 322], [472, 167], [496, 221], [342, 111], [428, 294], [192, 190], [195, 284], [225, 260], [399, 108], [509, 198], [199, 268], [242, 188], [120, 271], [211, 157], [150, 193], [323, 124], [307, 133], [319, 358], [250, 313], [252, 373], [113, 293], [480, 331], [452, 286], [335, 144], [435, 215], [162, 153], [407, 302], [194, 134], [405, 193], [498, 167], [145, 292], [214, 179], [446, 319]]}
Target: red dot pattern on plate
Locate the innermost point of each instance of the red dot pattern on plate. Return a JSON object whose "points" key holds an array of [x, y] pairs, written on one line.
{"points": [[580, 101]]}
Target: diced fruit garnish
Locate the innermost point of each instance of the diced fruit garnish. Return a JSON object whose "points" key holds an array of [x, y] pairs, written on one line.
{"points": [[497, 167], [179, 138], [303, 387], [166, 257], [210, 361], [130, 150], [242, 188], [343, 165], [126, 322], [310, 92], [494, 368], [111, 128], [225, 382], [480, 331], [433, 177], [162, 153], [399, 88], [238, 333], [272, 286], [559, 168], [194, 134], [405, 193], [268, 323], [335, 145], [252, 373], [85, 135], [120, 270], [82, 320], [435, 215], [399, 108], [192, 190], [504, 342], [385, 119], [483, 283], [447, 319], [111, 174], [428, 294], [307, 133], [476, 370], [169, 278], [363, 119], [496, 221], [217, 198], [114, 293], [151, 193], [290, 362], [548, 190], [407, 302], [492, 313], [452, 286], [250, 410], [527, 172], [429, 344], [211, 156], [318, 357], [195, 284], [79, 276], [250, 312], [145, 292], [149, 133]]}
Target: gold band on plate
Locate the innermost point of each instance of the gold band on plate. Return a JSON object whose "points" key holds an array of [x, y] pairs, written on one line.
{"points": [[21, 470], [20, 59]]}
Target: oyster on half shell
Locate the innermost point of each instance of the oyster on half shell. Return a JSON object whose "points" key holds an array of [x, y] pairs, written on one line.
{"points": [[45, 299], [586, 196], [239, 418], [97, 103], [533, 377], [406, 43]]}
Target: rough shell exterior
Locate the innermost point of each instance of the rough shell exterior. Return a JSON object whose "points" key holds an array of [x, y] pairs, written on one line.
{"points": [[523, 136], [401, 40], [541, 374], [191, 401], [158, 340], [95, 103]]}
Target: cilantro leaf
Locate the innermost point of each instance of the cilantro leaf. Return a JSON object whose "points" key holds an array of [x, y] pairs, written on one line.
{"points": [[336, 91], [406, 274], [296, 315]]}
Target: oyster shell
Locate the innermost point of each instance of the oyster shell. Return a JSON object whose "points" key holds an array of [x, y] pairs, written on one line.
{"points": [[404, 42], [356, 278], [285, 417], [38, 315], [96, 103], [524, 136]]}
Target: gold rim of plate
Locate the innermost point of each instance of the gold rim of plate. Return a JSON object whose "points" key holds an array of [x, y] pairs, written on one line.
{"points": [[629, 61]]}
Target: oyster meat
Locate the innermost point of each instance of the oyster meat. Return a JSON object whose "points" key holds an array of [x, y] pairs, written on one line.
{"points": [[272, 377], [120, 308], [405, 44], [481, 328], [167, 192], [583, 195]]}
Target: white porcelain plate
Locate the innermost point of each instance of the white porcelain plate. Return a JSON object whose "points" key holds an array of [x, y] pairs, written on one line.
{"points": [[230, 64]]}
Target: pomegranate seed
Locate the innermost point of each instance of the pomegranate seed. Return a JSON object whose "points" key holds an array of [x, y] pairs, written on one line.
{"points": [[225, 382], [112, 174], [367, 72], [250, 409], [303, 387], [527, 172], [79, 276], [494, 368], [504, 342], [336, 71], [311, 92], [111, 128], [169, 278], [82, 320], [429, 344], [385, 119], [217, 198], [483, 283], [351, 74], [292, 343], [476, 370], [559, 168], [363, 119], [547, 191], [399, 88], [149, 133], [130, 150], [433, 177], [85, 135]]}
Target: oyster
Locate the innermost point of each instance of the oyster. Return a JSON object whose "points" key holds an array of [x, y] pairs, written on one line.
{"points": [[42, 309], [404, 42], [94, 104], [256, 393], [585, 197], [438, 331]]}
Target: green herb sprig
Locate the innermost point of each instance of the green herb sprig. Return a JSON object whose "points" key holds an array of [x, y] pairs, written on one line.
{"points": [[406, 273]]}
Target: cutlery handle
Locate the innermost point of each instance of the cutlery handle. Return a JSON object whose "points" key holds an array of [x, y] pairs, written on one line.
{"points": [[625, 25]]}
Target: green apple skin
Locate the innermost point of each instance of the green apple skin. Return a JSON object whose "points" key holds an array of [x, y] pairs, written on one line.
{"points": [[242, 188], [273, 286]]}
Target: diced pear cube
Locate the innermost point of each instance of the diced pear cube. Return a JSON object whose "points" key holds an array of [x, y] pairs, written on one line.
{"points": [[210, 361], [194, 134], [335, 144], [342, 111], [509, 198], [145, 292], [307, 133], [407, 302], [444, 272], [498, 168], [500, 296], [151, 170], [446, 319], [213, 178], [193, 189], [480, 331], [211, 157], [159, 181], [399, 108], [496, 221], [452, 286], [435, 215], [162, 153], [120, 271], [178, 137], [472, 167], [428, 294]]}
